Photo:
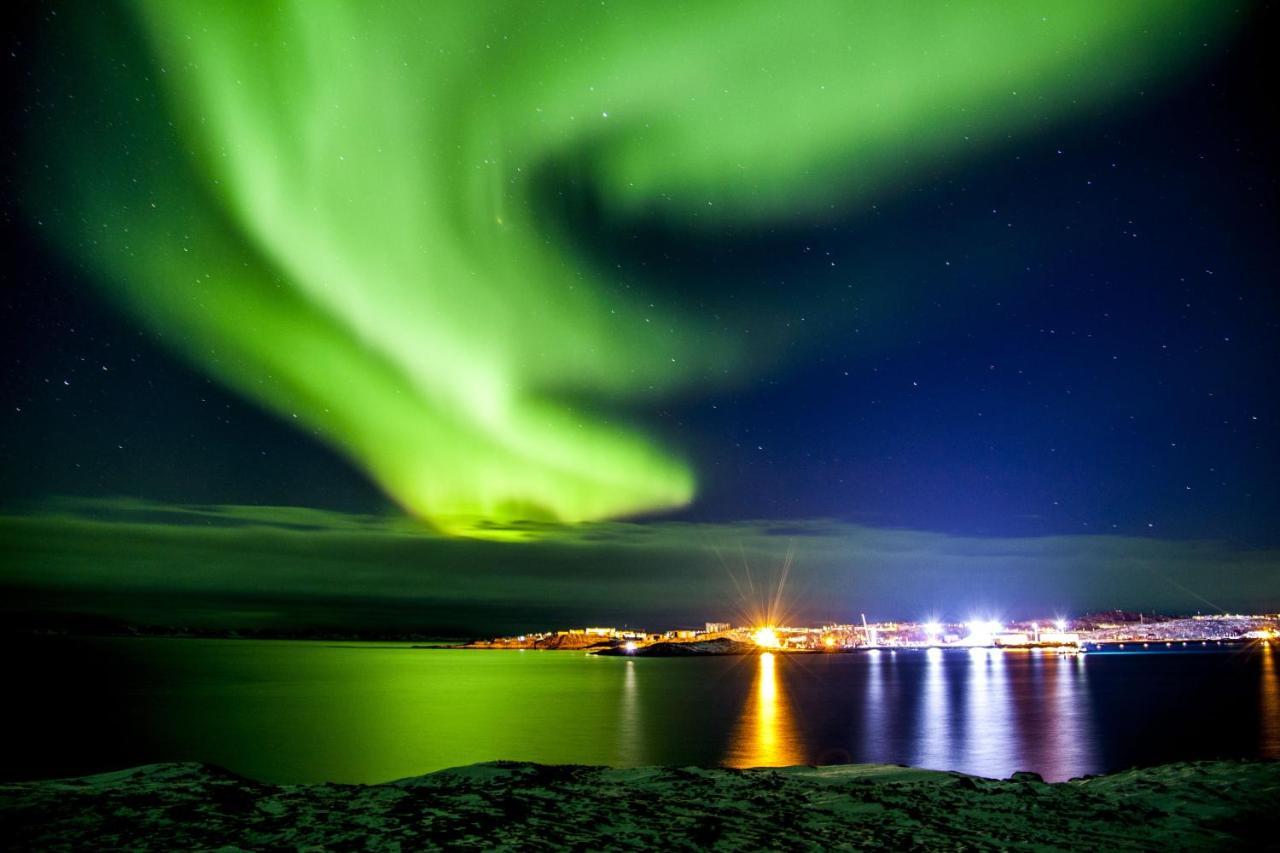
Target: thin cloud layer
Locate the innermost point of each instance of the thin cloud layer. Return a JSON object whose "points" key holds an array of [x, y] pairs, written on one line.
{"points": [[256, 566]]}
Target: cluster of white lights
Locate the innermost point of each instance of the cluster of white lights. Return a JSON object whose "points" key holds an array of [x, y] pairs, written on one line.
{"points": [[981, 631]]}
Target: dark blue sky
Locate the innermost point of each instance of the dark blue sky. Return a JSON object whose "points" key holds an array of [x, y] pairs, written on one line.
{"points": [[1078, 335]]}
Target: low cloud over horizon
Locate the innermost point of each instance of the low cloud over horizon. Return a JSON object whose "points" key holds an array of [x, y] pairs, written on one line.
{"points": [[286, 567]]}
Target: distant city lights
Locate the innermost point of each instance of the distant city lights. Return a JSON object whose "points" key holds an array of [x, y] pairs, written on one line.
{"points": [[1059, 635]]}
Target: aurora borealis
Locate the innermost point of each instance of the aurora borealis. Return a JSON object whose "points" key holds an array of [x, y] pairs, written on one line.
{"points": [[346, 212], [961, 304]]}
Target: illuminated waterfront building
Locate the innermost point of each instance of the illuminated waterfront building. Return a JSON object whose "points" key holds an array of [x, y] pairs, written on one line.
{"points": [[1011, 638]]}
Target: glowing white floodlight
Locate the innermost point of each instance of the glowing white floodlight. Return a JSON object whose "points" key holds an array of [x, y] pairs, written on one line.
{"points": [[982, 631], [932, 630]]}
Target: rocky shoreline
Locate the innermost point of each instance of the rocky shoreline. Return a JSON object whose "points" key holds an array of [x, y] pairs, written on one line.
{"points": [[685, 649], [507, 805]]}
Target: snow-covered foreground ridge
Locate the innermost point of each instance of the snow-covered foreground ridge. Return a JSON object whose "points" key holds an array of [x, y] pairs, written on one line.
{"points": [[1202, 805]]}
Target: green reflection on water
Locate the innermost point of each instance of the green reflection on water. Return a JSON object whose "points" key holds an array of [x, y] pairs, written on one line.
{"points": [[310, 712]]}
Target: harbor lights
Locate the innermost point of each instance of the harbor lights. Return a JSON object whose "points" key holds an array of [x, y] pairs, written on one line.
{"points": [[766, 638], [629, 647], [983, 632], [932, 630]]}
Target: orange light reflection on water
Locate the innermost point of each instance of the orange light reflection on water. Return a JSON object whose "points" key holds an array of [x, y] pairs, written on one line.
{"points": [[766, 732], [1270, 711]]}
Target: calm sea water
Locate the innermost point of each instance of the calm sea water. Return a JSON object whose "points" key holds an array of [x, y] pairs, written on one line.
{"points": [[308, 711]]}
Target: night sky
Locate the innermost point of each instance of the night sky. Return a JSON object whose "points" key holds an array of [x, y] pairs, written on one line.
{"points": [[1028, 367]]}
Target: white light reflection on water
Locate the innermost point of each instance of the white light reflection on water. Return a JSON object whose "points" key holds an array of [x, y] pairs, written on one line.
{"points": [[933, 739], [630, 728], [988, 733], [994, 712], [876, 714], [1071, 745]]}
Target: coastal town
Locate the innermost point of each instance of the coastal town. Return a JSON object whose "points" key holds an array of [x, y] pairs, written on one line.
{"points": [[1113, 629]]}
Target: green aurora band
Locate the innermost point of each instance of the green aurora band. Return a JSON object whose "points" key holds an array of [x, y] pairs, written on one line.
{"points": [[337, 208]]}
